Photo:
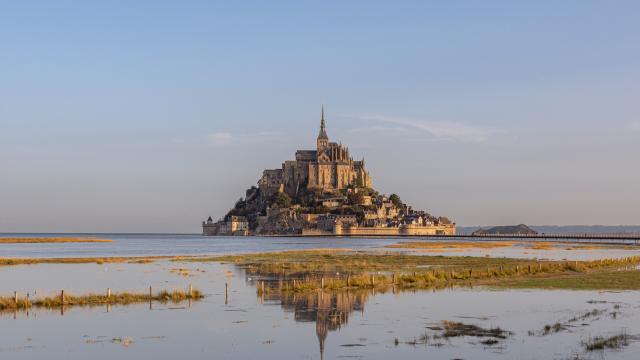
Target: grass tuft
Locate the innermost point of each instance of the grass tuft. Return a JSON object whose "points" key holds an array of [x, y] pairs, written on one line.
{"points": [[612, 342]]}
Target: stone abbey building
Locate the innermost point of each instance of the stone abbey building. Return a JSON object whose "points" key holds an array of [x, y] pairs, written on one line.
{"points": [[328, 167]]}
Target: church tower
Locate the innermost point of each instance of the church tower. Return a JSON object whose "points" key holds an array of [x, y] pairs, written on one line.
{"points": [[323, 139]]}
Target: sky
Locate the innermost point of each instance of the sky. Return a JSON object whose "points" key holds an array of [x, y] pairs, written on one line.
{"points": [[149, 116]]}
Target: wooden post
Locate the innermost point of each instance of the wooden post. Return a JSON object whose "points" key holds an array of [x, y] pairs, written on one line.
{"points": [[15, 297], [470, 272], [501, 268], [27, 303], [517, 268], [529, 268], [190, 291], [262, 286], [61, 302], [226, 293], [373, 280], [349, 280], [322, 283], [394, 278], [108, 293], [150, 293]]}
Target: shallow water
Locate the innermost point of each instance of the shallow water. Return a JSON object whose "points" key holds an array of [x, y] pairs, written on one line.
{"points": [[158, 245], [359, 325]]}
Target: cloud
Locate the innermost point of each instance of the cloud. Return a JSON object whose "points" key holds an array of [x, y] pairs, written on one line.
{"points": [[219, 139], [439, 130], [635, 126]]}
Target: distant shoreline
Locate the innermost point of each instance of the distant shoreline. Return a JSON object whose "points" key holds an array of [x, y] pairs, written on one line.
{"points": [[48, 240]]}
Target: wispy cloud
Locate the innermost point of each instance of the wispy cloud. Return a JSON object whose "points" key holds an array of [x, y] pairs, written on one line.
{"points": [[225, 139], [435, 129], [219, 138]]}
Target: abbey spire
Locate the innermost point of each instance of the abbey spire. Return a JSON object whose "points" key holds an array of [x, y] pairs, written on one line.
{"points": [[323, 139]]}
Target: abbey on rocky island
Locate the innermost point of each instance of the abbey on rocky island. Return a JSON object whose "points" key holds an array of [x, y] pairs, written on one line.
{"points": [[328, 167], [323, 192]]}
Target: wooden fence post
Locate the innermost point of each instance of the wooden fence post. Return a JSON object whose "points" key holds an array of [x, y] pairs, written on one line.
{"points": [[108, 293]]}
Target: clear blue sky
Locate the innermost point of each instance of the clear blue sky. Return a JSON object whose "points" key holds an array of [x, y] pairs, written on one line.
{"points": [[152, 115]]}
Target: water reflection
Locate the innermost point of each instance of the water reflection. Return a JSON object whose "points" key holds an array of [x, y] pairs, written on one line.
{"points": [[330, 310]]}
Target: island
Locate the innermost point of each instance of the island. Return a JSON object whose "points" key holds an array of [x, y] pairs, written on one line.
{"points": [[521, 229], [323, 192]]}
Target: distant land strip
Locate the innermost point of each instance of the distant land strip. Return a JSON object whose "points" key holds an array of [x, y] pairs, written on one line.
{"points": [[14, 240], [89, 260]]}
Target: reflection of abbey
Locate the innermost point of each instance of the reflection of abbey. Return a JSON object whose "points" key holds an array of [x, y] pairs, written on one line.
{"points": [[323, 192], [329, 167]]}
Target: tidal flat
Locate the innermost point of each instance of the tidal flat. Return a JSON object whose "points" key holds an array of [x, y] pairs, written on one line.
{"points": [[256, 316]]}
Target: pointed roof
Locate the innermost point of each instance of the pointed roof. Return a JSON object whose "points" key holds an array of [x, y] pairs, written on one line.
{"points": [[323, 130]]}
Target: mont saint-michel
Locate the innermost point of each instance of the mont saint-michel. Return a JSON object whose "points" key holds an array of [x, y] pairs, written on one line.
{"points": [[323, 192]]}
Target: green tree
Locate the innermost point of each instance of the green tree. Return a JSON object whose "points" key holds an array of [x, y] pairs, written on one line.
{"points": [[395, 199], [283, 200]]}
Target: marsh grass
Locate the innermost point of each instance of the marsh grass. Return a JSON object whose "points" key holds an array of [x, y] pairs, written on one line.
{"points": [[8, 303], [457, 329], [605, 278], [333, 270], [589, 314], [564, 326], [617, 341]]}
